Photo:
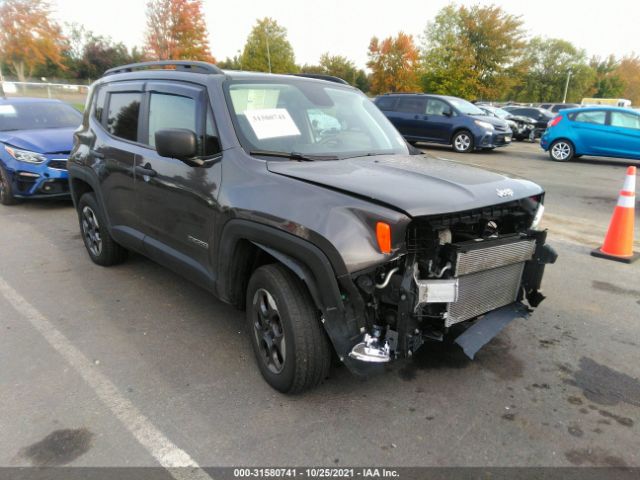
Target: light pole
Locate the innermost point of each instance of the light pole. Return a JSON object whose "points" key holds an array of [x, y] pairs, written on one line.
{"points": [[268, 52], [566, 87]]}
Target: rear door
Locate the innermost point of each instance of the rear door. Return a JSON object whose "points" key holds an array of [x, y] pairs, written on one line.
{"points": [[625, 133], [118, 113], [592, 135], [177, 202], [411, 118]]}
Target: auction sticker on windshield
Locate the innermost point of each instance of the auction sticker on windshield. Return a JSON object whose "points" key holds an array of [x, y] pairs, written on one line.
{"points": [[271, 123]]}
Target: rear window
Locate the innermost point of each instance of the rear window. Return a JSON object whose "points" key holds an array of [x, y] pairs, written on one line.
{"points": [[385, 103], [412, 105], [123, 114], [596, 117]]}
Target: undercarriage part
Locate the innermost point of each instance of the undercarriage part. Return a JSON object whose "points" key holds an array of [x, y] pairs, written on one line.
{"points": [[371, 349], [488, 326]]}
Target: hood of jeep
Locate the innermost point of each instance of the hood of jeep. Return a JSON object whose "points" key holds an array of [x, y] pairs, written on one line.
{"points": [[415, 184]]}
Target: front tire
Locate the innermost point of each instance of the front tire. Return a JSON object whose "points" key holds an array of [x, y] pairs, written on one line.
{"points": [[6, 190], [561, 151], [463, 141], [290, 345], [102, 249]]}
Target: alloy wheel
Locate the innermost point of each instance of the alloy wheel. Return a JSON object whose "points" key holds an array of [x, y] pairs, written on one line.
{"points": [[268, 331], [561, 150], [91, 231], [462, 142]]}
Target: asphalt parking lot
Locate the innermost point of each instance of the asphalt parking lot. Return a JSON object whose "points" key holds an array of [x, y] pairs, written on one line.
{"points": [[126, 365]]}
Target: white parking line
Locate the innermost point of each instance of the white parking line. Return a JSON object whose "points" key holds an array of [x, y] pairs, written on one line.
{"points": [[146, 433]]}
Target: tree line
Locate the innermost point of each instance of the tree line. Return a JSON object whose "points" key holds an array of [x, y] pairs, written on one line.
{"points": [[477, 52]]}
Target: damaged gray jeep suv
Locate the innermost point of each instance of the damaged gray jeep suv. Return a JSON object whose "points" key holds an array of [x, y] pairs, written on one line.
{"points": [[296, 200]]}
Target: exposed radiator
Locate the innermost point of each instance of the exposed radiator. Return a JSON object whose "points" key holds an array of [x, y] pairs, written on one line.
{"points": [[488, 278], [494, 256]]}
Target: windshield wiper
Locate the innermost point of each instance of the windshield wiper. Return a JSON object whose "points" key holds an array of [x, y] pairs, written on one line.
{"points": [[293, 155]]}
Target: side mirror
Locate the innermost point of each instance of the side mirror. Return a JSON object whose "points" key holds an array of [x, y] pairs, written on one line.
{"points": [[448, 112], [177, 143]]}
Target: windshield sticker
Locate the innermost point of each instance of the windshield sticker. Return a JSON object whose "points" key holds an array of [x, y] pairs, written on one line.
{"points": [[7, 110], [271, 123]]}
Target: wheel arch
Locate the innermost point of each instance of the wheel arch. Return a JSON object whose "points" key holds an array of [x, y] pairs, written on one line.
{"points": [[81, 182], [458, 130], [246, 245]]}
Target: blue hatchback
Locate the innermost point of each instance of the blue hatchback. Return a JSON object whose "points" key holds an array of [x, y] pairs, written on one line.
{"points": [[36, 136], [600, 131]]}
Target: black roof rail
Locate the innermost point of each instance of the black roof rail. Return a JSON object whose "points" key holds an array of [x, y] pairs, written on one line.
{"points": [[181, 65], [320, 76]]}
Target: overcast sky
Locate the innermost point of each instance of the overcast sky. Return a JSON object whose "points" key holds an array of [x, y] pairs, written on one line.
{"points": [[344, 27]]}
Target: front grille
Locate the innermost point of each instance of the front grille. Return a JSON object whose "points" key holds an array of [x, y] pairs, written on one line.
{"points": [[58, 164], [494, 256], [481, 292]]}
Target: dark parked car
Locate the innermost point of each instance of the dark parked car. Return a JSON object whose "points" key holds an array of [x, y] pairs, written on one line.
{"points": [[36, 135], [556, 107], [523, 128], [539, 115], [330, 234], [446, 120]]}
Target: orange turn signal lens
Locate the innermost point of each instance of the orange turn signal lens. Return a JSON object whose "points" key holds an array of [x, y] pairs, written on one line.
{"points": [[383, 234]]}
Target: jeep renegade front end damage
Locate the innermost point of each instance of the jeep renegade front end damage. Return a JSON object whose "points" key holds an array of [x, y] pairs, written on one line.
{"points": [[296, 200]]}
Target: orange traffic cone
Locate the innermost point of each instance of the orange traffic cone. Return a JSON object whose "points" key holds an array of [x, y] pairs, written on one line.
{"points": [[618, 244]]}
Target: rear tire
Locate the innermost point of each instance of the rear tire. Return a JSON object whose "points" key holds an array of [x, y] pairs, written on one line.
{"points": [[462, 141], [102, 249], [6, 190], [561, 151], [291, 347]]}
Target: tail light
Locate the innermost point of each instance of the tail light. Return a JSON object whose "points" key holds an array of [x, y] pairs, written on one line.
{"points": [[554, 121]]}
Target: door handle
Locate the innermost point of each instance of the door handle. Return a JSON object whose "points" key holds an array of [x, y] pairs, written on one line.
{"points": [[96, 154], [145, 171]]}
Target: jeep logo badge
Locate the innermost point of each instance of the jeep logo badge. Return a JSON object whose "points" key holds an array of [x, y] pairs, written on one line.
{"points": [[504, 192]]}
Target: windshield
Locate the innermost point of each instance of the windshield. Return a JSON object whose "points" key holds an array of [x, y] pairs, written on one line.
{"points": [[499, 112], [465, 107], [313, 118], [29, 116]]}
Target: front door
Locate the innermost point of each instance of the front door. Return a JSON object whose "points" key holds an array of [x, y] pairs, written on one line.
{"points": [[177, 201], [625, 133], [440, 120]]}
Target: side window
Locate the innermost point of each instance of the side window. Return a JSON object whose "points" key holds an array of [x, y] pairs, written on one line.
{"points": [[412, 105], [122, 115], [596, 117], [98, 104], [437, 107], [170, 111], [625, 120], [385, 103], [211, 139]]}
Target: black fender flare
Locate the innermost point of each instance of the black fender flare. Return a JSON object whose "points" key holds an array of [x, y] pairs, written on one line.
{"points": [[301, 256], [305, 260], [88, 177]]}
